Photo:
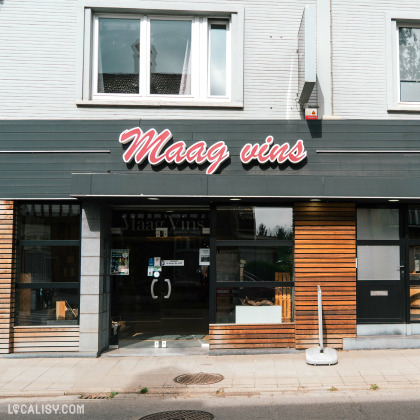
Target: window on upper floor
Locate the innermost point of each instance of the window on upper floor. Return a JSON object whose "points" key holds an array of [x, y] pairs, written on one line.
{"points": [[403, 50], [161, 57], [164, 58]]}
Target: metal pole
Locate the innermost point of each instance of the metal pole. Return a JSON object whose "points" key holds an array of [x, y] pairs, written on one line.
{"points": [[321, 338]]}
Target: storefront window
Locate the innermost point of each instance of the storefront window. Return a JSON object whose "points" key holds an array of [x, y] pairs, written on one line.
{"points": [[254, 263], [414, 222], [48, 269], [415, 302], [414, 262], [49, 221], [254, 223], [254, 305], [157, 223], [46, 306], [49, 264]]}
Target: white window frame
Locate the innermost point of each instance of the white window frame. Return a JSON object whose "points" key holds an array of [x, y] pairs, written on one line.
{"points": [[92, 10], [393, 23], [95, 54]]}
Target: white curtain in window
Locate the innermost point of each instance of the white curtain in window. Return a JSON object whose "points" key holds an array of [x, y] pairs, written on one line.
{"points": [[185, 86]]}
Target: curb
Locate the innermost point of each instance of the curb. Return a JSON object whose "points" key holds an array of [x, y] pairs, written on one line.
{"points": [[31, 394], [218, 392]]}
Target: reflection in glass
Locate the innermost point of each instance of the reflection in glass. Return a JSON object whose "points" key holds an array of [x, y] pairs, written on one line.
{"points": [[274, 223], [414, 262], [414, 222], [170, 57], [378, 262], [49, 221], [171, 223], [217, 59], [254, 305], [118, 55], [415, 303], [254, 263], [377, 224], [409, 40], [40, 306], [49, 264]]}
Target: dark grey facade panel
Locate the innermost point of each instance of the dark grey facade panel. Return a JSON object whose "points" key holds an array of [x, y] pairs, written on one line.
{"points": [[331, 169], [135, 185], [265, 186], [372, 186]]}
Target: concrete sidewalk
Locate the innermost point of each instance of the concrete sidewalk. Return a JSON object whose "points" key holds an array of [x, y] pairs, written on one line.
{"points": [[356, 370]]}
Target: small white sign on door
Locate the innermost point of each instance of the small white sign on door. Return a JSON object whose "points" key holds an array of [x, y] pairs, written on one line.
{"points": [[204, 256], [161, 232], [173, 263]]}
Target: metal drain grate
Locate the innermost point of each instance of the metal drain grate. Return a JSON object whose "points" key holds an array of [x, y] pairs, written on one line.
{"points": [[179, 415], [200, 378], [93, 397]]}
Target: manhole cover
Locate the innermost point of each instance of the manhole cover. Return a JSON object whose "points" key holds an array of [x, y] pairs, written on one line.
{"points": [[200, 378], [180, 415]]}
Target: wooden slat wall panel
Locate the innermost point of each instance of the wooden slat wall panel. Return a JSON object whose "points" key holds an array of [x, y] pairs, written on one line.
{"points": [[238, 336], [7, 273], [45, 339], [325, 255]]}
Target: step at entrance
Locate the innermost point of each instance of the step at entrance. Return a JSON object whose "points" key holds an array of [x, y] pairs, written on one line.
{"points": [[377, 342]]}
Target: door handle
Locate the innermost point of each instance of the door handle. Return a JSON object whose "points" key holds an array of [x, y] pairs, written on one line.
{"points": [[152, 287], [169, 289]]}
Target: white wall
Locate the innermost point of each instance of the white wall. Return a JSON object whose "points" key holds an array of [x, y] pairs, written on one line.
{"points": [[359, 57], [39, 49]]}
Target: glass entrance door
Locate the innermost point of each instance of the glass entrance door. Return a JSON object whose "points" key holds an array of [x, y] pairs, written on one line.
{"points": [[161, 297], [184, 306]]}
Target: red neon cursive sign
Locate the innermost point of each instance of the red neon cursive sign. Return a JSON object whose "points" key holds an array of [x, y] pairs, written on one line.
{"points": [[150, 145], [269, 152]]}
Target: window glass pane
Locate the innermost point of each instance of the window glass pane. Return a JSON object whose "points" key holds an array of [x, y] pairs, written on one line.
{"points": [[414, 222], [415, 303], [171, 222], [118, 61], [378, 224], [47, 306], [255, 223], [409, 40], [414, 262], [170, 57], [254, 263], [49, 264], [49, 221], [217, 59], [378, 262], [410, 91], [254, 305]]}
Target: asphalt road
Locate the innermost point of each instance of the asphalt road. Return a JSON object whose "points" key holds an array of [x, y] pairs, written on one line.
{"points": [[334, 405]]}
